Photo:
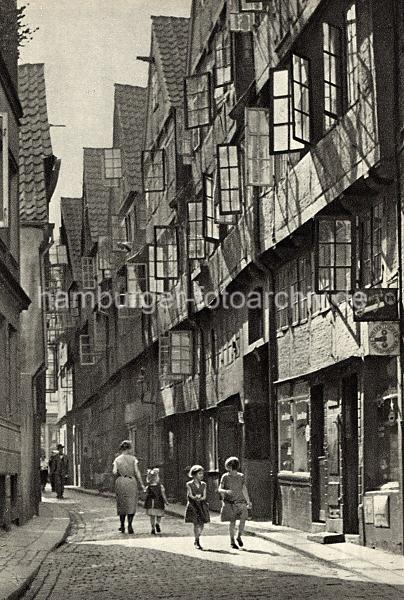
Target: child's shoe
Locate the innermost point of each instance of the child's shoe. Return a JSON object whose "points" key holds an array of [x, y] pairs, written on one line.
{"points": [[122, 529], [198, 545], [234, 545], [240, 542], [153, 531], [158, 528], [130, 529]]}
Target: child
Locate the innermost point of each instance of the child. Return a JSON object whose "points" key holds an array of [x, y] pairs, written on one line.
{"points": [[197, 511], [156, 499], [236, 501]]}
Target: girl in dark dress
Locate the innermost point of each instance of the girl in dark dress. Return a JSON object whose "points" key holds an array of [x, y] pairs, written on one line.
{"points": [[197, 511], [156, 499]]}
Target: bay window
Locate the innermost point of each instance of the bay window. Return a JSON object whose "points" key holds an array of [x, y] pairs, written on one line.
{"points": [[332, 74], [196, 240], [259, 160], [166, 252], [229, 179], [282, 128], [153, 170], [4, 172], [198, 99], [334, 254], [223, 65]]}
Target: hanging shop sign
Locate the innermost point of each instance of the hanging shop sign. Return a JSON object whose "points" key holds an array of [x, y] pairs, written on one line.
{"points": [[384, 338], [375, 304]]}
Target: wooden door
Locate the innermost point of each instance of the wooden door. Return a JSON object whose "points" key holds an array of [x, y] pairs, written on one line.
{"points": [[229, 434], [318, 463], [350, 454]]}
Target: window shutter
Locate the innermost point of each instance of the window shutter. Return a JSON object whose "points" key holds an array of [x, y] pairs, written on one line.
{"points": [[181, 352], [259, 160], [153, 170], [301, 99], [229, 179], [281, 132], [196, 240], [198, 100], [156, 286], [211, 229], [5, 190], [87, 354], [88, 272], [335, 261]]}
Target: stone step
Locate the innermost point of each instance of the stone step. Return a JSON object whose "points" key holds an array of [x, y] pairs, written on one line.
{"points": [[317, 527], [326, 537], [352, 538]]}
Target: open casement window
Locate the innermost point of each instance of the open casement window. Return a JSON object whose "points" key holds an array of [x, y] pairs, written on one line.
{"points": [[175, 355], [52, 368], [166, 252], [301, 99], [282, 135], [332, 74], [104, 250], [223, 62], [352, 56], [153, 170], [119, 239], [211, 229], [88, 272], [335, 261], [4, 172], [155, 286], [229, 179], [248, 6], [198, 100], [136, 284], [66, 378], [87, 351], [113, 163], [259, 160], [371, 246], [196, 239]]}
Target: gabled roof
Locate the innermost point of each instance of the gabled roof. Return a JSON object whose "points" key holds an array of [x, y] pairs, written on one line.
{"points": [[72, 217], [97, 192], [129, 126], [170, 35], [35, 144]]}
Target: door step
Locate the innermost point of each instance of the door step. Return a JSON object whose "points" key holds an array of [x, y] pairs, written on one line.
{"points": [[352, 538], [326, 537], [317, 527]]}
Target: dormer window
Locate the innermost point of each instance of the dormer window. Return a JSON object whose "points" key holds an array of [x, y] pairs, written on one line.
{"points": [[113, 163]]}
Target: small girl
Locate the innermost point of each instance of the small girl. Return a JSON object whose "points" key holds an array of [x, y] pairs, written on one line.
{"points": [[197, 511], [156, 499], [236, 501]]}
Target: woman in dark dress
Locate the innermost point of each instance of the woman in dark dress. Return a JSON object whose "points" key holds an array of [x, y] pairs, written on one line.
{"points": [[197, 511]]}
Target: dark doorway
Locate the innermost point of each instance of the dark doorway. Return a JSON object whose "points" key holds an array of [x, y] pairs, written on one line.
{"points": [[350, 454], [318, 474], [229, 430]]}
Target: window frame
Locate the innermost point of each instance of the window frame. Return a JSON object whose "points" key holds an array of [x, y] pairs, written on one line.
{"points": [[223, 55], [208, 92], [211, 228], [327, 83], [302, 86], [228, 168], [291, 402], [182, 372], [149, 163], [166, 259], [52, 350], [253, 8], [86, 348], [88, 272], [113, 168], [196, 227], [293, 145], [266, 162], [369, 218], [335, 244], [352, 63], [5, 199]]}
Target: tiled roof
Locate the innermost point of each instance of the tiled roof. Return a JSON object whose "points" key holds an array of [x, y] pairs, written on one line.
{"points": [[72, 216], [130, 117], [170, 35], [97, 192], [35, 143]]}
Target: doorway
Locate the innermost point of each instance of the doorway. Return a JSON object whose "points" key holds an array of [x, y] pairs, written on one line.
{"points": [[318, 462], [350, 454], [229, 431]]}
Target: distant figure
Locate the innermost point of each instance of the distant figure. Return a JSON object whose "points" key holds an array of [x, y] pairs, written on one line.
{"points": [[128, 477], [60, 470], [156, 499], [197, 511], [51, 469], [236, 500], [85, 469], [44, 471]]}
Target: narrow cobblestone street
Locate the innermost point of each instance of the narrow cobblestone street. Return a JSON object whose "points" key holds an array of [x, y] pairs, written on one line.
{"points": [[99, 562]]}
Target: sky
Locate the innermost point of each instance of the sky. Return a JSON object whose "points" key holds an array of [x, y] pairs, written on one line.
{"points": [[87, 46]]}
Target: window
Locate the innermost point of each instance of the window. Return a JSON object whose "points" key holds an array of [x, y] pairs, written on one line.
{"points": [[196, 240], [119, 240], [372, 238], [87, 354], [58, 255], [113, 163], [104, 253], [153, 170], [259, 160], [136, 284], [352, 58], [213, 463], [332, 74], [304, 285], [301, 99], [229, 179], [51, 369], [334, 260], [248, 6], [166, 252], [155, 88], [223, 70], [164, 359], [4, 174], [181, 352], [293, 446], [282, 128], [211, 230], [242, 22], [255, 315], [88, 272], [129, 226], [198, 100], [66, 378], [156, 286], [282, 298]]}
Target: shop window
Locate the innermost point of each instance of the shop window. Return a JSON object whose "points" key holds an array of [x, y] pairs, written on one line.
{"points": [[213, 461], [334, 254], [196, 240], [301, 99], [113, 163], [88, 272], [372, 239], [4, 172], [285, 436], [229, 179], [256, 315], [166, 252], [198, 94], [87, 352], [51, 369], [352, 56], [332, 74], [282, 127], [293, 445], [259, 160], [211, 231], [223, 64], [153, 170]]}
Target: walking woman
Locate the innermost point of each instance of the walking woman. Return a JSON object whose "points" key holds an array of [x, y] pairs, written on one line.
{"points": [[128, 478]]}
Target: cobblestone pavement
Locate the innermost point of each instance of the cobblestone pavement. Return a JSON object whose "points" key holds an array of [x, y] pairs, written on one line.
{"points": [[99, 562]]}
